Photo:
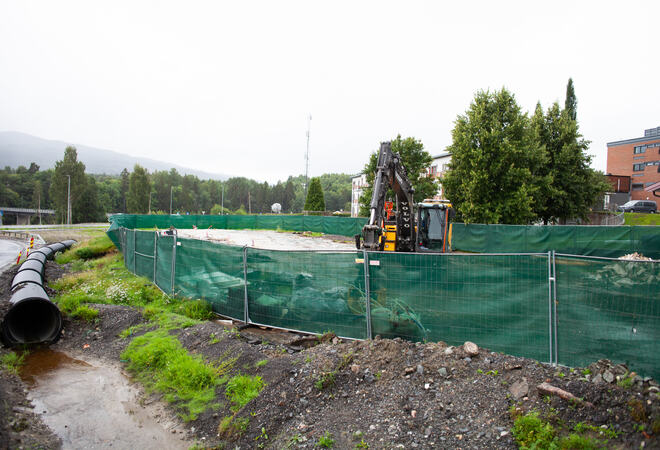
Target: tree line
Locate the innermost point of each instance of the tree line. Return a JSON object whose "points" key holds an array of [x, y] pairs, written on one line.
{"points": [[138, 191], [507, 166]]}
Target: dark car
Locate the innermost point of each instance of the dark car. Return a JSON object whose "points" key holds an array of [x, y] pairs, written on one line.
{"points": [[644, 206]]}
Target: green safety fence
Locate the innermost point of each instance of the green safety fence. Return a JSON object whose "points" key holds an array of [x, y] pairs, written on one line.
{"points": [[564, 309], [605, 241], [608, 309], [343, 226]]}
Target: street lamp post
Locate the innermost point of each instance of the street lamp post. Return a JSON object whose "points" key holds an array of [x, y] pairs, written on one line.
{"points": [[223, 201], [171, 190], [68, 201], [150, 202]]}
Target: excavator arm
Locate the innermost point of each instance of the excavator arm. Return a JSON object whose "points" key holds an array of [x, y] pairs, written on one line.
{"points": [[390, 173]]}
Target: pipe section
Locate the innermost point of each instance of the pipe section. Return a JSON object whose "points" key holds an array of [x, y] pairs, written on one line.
{"points": [[32, 317]]}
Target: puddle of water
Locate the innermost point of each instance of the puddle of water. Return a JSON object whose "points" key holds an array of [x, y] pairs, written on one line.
{"points": [[92, 405]]}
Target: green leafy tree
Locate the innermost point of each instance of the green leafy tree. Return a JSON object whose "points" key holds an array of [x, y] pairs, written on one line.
{"points": [[415, 160], [69, 165], [138, 191], [570, 105], [124, 189], [575, 186], [87, 208], [494, 175], [315, 200]]}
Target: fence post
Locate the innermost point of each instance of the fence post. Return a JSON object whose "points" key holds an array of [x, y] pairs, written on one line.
{"points": [[554, 304], [367, 292], [550, 281], [134, 238], [155, 254], [246, 316], [173, 270]]}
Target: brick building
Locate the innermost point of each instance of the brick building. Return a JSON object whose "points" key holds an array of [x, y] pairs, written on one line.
{"points": [[638, 158]]}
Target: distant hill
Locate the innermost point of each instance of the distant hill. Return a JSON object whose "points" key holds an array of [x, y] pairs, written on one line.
{"points": [[20, 149]]}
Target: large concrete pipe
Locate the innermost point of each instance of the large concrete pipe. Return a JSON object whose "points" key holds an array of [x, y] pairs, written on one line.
{"points": [[46, 251], [33, 265], [58, 247], [69, 243], [38, 256], [32, 318], [26, 276]]}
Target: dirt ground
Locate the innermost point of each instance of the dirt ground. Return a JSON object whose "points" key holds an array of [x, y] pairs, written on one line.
{"points": [[381, 393]]}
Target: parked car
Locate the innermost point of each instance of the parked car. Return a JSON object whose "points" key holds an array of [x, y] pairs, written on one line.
{"points": [[645, 206]]}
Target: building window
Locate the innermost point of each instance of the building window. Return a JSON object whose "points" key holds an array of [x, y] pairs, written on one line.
{"points": [[639, 157], [637, 186], [638, 167], [639, 149]]}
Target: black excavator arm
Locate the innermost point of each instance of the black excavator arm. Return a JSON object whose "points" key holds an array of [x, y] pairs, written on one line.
{"points": [[390, 173]]}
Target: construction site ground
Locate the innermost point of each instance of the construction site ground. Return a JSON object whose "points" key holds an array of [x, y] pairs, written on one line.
{"points": [[380, 393]]}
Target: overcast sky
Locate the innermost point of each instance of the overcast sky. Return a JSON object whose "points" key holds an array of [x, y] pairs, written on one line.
{"points": [[228, 86]]}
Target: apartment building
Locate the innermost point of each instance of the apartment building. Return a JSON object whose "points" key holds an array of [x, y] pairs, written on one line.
{"points": [[638, 158]]}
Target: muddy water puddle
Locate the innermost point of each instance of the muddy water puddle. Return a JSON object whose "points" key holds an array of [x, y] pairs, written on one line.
{"points": [[92, 405]]}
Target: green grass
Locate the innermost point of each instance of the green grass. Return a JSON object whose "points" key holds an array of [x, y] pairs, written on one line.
{"points": [[91, 249], [261, 363], [158, 360], [243, 388], [11, 362], [533, 432], [641, 219]]}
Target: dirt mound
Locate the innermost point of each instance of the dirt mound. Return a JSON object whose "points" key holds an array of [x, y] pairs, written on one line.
{"points": [[381, 393]]}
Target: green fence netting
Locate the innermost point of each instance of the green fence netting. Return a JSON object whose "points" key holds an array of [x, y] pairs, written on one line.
{"points": [[608, 309], [564, 309], [308, 291], [343, 226], [498, 301], [605, 241]]}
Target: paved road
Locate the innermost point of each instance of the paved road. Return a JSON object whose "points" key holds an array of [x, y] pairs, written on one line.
{"points": [[9, 252]]}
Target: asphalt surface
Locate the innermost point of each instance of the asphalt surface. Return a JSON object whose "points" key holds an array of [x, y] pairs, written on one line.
{"points": [[9, 252]]}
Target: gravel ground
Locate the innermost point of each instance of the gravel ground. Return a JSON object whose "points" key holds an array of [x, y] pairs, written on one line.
{"points": [[385, 393]]}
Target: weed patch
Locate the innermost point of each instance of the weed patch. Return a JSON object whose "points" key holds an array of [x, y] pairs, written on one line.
{"points": [[243, 388], [160, 362], [91, 249], [11, 362]]}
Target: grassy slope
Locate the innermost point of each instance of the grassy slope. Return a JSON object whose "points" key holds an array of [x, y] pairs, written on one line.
{"points": [[641, 219], [156, 358]]}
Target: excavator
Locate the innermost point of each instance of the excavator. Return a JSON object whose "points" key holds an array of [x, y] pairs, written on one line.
{"points": [[424, 227]]}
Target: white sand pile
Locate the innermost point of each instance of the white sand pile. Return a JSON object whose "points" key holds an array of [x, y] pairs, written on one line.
{"points": [[265, 239]]}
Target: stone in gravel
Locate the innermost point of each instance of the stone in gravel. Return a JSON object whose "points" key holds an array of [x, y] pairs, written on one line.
{"points": [[512, 365], [442, 371], [355, 368], [449, 351], [471, 348], [369, 377], [467, 359], [519, 389], [420, 369], [409, 370], [427, 432], [597, 379], [608, 376]]}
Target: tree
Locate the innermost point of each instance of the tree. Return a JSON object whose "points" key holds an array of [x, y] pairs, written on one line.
{"points": [[575, 186], [124, 189], [570, 105], [315, 200], [494, 175], [69, 166], [138, 191], [415, 160]]}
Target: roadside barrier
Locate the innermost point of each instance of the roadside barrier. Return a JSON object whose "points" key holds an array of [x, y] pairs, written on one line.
{"points": [[32, 317], [559, 308]]}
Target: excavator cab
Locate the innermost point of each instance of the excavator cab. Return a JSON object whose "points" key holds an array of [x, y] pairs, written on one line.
{"points": [[434, 227]]}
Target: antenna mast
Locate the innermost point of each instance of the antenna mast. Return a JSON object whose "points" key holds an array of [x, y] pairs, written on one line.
{"points": [[309, 124]]}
